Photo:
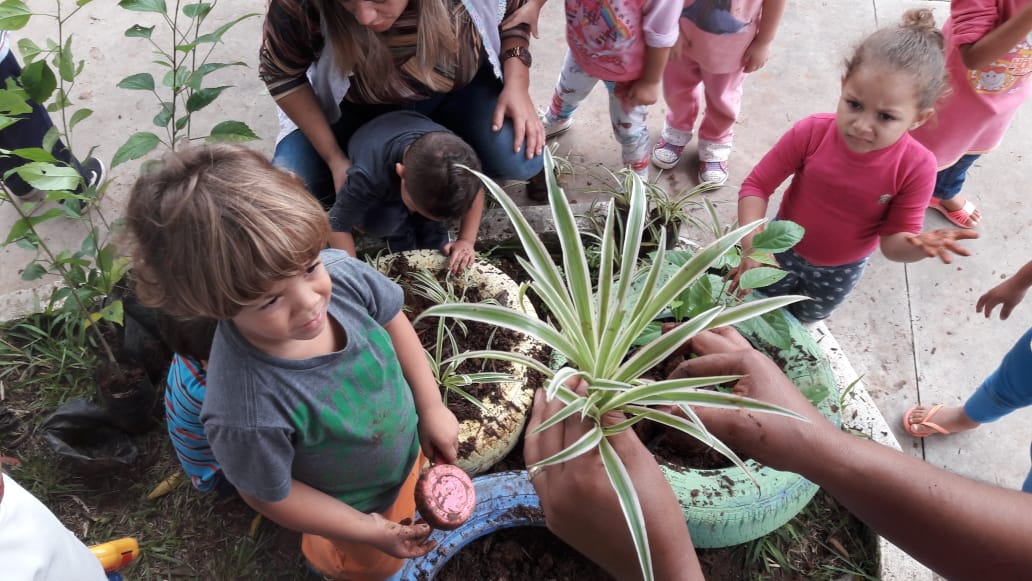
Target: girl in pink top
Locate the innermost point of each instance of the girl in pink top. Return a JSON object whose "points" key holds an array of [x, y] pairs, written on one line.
{"points": [[860, 180], [989, 57], [624, 43], [721, 41]]}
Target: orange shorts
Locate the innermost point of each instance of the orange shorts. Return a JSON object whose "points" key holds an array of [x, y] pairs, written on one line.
{"points": [[358, 561]]}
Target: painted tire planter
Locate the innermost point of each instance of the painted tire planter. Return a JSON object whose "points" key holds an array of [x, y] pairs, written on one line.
{"points": [[504, 500], [496, 435], [723, 507]]}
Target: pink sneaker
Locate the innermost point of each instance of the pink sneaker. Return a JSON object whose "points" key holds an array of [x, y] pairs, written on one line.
{"points": [[713, 172]]}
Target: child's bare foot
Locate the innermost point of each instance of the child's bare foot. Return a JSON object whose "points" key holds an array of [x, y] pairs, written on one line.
{"points": [[922, 420]]}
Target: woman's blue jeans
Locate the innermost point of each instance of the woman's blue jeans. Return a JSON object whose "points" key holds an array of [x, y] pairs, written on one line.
{"points": [[467, 112], [1006, 389], [949, 181]]}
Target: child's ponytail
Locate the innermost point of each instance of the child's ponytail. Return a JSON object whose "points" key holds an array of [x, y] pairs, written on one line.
{"points": [[916, 46], [923, 21]]}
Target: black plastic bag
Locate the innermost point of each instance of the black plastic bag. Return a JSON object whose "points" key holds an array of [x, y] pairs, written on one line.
{"points": [[83, 435]]}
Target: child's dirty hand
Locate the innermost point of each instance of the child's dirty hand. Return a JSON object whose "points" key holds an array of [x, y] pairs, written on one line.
{"points": [[943, 243], [1008, 294], [461, 255], [404, 539], [439, 434]]}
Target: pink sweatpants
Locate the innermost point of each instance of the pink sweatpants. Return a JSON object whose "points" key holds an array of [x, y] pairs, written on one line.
{"points": [[684, 84]]}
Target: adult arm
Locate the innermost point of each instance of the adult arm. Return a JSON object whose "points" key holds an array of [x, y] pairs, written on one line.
{"points": [[582, 509], [1008, 293], [999, 40], [758, 52], [461, 253], [303, 109], [311, 511], [980, 531], [514, 101], [527, 14], [438, 428], [291, 42]]}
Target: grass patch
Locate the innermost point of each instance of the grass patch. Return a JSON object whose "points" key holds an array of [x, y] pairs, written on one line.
{"points": [[182, 535], [823, 542]]}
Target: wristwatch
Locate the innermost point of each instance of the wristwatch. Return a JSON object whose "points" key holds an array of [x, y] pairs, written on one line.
{"points": [[521, 52]]}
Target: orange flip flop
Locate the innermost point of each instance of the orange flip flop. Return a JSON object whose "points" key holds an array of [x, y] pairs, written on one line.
{"points": [[927, 423]]}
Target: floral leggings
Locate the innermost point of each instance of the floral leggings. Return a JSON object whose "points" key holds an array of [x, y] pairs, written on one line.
{"points": [[629, 127]]}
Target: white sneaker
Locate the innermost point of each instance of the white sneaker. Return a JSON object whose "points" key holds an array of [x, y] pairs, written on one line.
{"points": [[666, 155], [555, 127], [713, 172]]}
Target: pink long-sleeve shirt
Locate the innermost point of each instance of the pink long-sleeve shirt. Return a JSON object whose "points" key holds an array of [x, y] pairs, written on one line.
{"points": [[975, 115], [845, 200], [608, 38]]}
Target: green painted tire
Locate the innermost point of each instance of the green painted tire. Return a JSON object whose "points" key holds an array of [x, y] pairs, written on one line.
{"points": [[723, 507]]}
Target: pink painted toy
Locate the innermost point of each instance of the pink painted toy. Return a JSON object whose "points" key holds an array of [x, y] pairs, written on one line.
{"points": [[445, 496]]}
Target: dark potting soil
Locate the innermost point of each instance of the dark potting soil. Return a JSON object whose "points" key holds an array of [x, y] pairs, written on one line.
{"points": [[477, 336], [823, 542], [520, 554]]}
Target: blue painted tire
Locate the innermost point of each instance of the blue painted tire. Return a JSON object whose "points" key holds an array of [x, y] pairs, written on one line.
{"points": [[504, 500]]}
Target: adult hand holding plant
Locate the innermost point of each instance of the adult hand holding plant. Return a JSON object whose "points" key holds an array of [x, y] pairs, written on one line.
{"points": [[581, 507], [779, 442], [594, 325]]}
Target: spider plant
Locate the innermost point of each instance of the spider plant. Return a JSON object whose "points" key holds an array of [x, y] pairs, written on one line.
{"points": [[595, 323], [446, 371]]}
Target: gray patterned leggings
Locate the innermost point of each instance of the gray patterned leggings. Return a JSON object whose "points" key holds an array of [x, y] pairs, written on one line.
{"points": [[827, 286]]}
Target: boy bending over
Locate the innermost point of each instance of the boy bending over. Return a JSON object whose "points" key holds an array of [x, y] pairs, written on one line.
{"points": [[404, 183], [318, 391]]}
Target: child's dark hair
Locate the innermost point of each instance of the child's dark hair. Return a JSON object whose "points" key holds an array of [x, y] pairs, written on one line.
{"points": [[190, 337], [915, 46], [214, 227], [434, 179]]}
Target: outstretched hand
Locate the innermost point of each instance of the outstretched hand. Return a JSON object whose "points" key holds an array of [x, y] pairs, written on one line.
{"points": [[1008, 294], [943, 242]]}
